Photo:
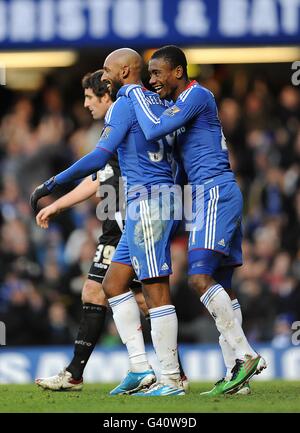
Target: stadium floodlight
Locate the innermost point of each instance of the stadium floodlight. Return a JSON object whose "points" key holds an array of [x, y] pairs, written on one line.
{"points": [[219, 55], [243, 55], [38, 59]]}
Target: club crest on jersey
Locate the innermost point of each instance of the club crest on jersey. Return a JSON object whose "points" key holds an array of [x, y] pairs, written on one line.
{"points": [[105, 133], [172, 111]]}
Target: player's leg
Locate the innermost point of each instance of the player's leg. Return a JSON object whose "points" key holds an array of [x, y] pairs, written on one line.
{"points": [[164, 330], [218, 303], [126, 312], [140, 300], [149, 245], [94, 301], [127, 318], [136, 288], [90, 328], [223, 276], [223, 206], [94, 307], [126, 315]]}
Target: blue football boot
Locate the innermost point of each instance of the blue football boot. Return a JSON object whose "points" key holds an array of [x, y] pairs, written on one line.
{"points": [[134, 382], [160, 390]]}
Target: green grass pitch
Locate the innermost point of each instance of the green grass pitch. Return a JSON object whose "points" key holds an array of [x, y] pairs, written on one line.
{"points": [[273, 396]]}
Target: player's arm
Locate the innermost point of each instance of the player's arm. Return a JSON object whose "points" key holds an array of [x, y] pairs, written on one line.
{"points": [[117, 125], [86, 189], [187, 106], [89, 164]]}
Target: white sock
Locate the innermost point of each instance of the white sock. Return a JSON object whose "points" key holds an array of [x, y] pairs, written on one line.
{"points": [[237, 311], [164, 329], [218, 303], [126, 315], [227, 351]]}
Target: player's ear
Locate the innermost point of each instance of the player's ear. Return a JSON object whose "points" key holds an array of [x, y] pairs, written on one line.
{"points": [[106, 98], [179, 71], [125, 72]]}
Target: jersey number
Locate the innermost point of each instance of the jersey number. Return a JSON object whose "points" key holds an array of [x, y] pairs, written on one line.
{"points": [[168, 140], [108, 252]]}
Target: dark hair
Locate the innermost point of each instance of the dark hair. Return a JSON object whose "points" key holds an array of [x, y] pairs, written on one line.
{"points": [[173, 55], [92, 80]]}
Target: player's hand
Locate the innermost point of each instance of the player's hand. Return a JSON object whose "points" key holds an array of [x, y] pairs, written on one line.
{"points": [[45, 214], [41, 191], [124, 90]]}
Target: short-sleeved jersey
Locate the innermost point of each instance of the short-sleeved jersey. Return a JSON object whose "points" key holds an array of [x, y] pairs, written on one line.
{"points": [[143, 162], [111, 175], [194, 116]]}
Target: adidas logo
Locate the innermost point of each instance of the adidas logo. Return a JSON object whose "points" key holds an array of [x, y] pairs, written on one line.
{"points": [[222, 242], [164, 267]]}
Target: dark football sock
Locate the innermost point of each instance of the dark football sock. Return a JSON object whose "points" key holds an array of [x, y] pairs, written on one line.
{"points": [[90, 328], [182, 374]]}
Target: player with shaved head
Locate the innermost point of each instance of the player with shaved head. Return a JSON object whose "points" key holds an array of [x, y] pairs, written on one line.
{"points": [[144, 247]]}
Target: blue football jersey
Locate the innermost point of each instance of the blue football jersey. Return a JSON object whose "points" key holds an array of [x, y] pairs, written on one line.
{"points": [[145, 164], [142, 162], [200, 139]]}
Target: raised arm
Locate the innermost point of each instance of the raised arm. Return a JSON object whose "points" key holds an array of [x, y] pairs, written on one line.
{"points": [[153, 127]]}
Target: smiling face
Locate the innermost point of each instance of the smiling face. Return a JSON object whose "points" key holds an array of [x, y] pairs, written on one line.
{"points": [[98, 105], [122, 66], [112, 75], [163, 78]]}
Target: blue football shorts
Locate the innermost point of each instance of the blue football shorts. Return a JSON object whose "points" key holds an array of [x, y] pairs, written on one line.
{"points": [[145, 242], [215, 239]]}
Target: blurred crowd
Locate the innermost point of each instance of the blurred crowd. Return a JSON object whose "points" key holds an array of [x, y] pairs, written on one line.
{"points": [[42, 271]]}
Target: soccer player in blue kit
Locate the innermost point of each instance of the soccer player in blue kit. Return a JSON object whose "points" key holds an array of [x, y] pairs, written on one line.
{"points": [[144, 246], [214, 243]]}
